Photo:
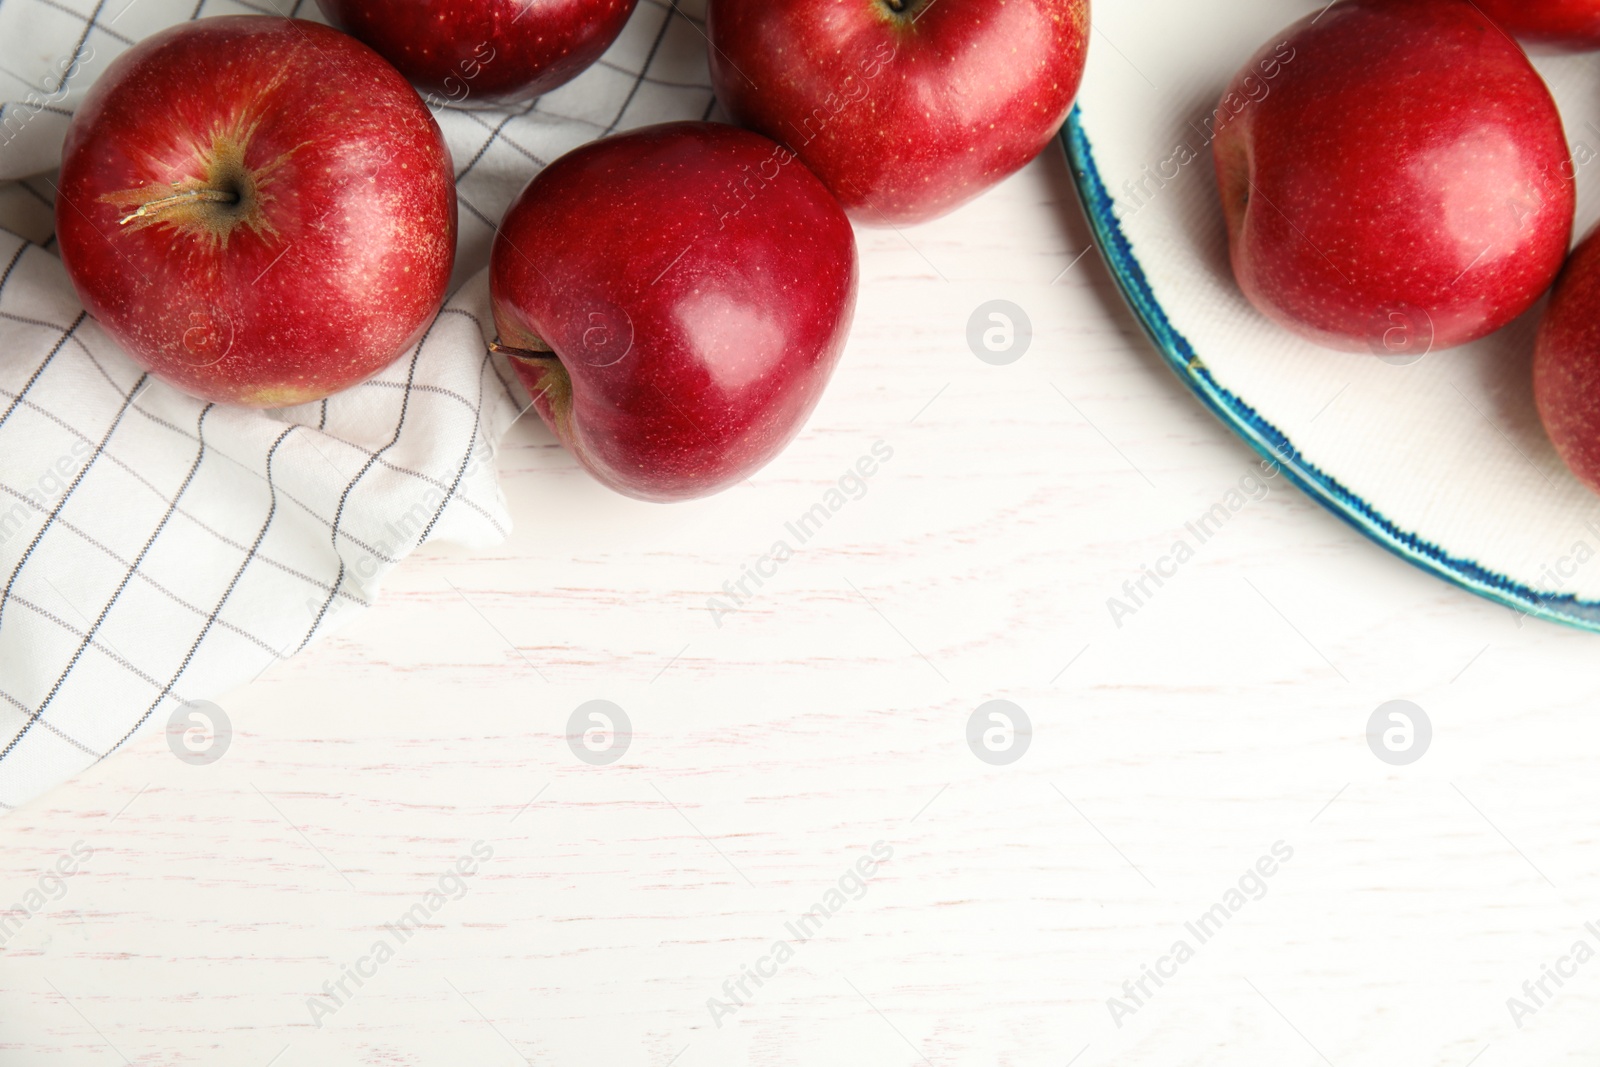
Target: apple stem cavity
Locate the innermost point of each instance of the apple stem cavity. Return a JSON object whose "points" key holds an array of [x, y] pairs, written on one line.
{"points": [[225, 194], [905, 11], [546, 379]]}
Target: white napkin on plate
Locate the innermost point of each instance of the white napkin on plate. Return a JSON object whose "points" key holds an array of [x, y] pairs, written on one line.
{"points": [[155, 550]]}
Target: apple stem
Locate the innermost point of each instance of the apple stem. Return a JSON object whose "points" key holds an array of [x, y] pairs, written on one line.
{"points": [[188, 196], [522, 353]]}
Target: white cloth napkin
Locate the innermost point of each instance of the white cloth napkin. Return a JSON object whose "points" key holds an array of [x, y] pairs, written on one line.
{"points": [[156, 550]]}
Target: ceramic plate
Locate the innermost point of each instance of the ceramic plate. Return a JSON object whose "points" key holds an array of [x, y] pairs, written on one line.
{"points": [[1440, 459]]}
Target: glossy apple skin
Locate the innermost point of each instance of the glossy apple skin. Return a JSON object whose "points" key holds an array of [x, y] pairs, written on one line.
{"points": [[1566, 364], [695, 284], [332, 263], [490, 52], [1403, 183], [1565, 24], [904, 115]]}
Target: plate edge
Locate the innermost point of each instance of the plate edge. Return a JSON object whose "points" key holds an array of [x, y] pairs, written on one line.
{"points": [[1265, 438]]}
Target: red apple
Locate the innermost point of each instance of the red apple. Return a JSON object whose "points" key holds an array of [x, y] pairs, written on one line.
{"points": [[1566, 364], [905, 108], [676, 298], [1402, 182], [259, 210], [485, 51], [1568, 24]]}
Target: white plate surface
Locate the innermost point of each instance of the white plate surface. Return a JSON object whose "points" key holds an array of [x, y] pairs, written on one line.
{"points": [[1442, 460]]}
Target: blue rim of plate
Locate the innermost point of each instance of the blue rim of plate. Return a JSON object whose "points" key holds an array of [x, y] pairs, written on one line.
{"points": [[1272, 443]]}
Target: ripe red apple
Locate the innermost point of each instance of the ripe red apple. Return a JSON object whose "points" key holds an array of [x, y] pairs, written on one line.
{"points": [[905, 108], [675, 299], [1402, 183], [1568, 24], [484, 51], [1566, 364], [259, 210]]}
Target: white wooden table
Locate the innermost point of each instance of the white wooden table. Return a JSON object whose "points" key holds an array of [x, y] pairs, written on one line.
{"points": [[220, 907]]}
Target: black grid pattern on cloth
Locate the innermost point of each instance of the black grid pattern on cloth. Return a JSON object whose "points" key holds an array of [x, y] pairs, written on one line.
{"points": [[155, 549]]}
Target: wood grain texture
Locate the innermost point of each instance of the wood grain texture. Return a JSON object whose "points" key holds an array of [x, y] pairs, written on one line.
{"points": [[771, 751]]}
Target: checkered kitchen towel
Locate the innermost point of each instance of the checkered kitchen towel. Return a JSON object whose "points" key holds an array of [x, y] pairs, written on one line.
{"points": [[157, 550]]}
